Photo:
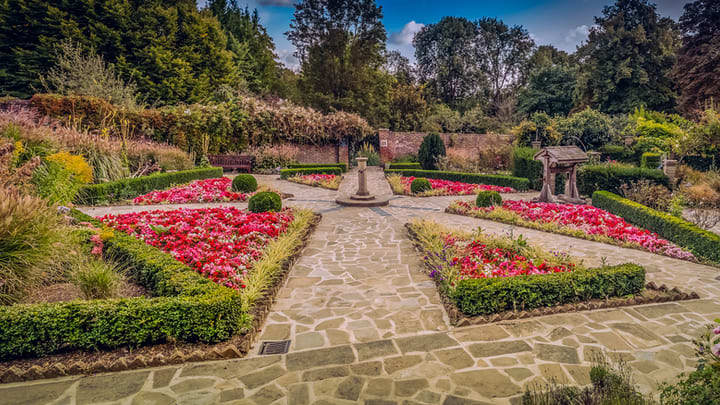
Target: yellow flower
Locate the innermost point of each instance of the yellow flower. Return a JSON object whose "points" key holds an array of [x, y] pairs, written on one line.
{"points": [[75, 164]]}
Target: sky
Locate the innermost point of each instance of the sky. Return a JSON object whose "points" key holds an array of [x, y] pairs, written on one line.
{"points": [[562, 23]]}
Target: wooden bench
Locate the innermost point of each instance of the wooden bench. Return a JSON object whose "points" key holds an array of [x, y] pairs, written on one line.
{"points": [[233, 162]]}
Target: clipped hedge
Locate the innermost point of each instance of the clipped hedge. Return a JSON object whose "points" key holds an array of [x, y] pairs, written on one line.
{"points": [[618, 153], [286, 173], [606, 177], [133, 187], [265, 201], [244, 183], [701, 243], [487, 198], [482, 296], [420, 185], [405, 166], [518, 183], [650, 160], [185, 306], [524, 165], [342, 166]]}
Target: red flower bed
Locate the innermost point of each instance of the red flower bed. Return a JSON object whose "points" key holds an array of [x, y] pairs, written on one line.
{"points": [[209, 190], [447, 187], [221, 243], [478, 260]]}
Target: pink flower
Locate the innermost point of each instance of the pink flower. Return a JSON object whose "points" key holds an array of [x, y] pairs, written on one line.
{"points": [[455, 187], [717, 330], [716, 349], [209, 190]]}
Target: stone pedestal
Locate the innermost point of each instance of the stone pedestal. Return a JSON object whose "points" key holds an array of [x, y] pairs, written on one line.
{"points": [[362, 197], [670, 169]]}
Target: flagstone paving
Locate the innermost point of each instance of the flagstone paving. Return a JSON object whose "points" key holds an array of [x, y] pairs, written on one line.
{"points": [[367, 327]]}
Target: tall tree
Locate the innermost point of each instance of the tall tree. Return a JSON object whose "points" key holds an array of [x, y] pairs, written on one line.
{"points": [[627, 59], [447, 62], [253, 48], [502, 53], [548, 55], [549, 89], [697, 71], [340, 45], [399, 66]]}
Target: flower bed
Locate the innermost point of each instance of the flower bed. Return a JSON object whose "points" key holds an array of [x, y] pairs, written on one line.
{"points": [[220, 243], [401, 185], [209, 190], [582, 221], [329, 181]]}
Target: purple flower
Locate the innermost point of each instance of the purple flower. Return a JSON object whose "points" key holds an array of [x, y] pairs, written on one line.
{"points": [[717, 330]]}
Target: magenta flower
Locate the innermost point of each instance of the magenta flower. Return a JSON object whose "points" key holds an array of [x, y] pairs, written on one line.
{"points": [[455, 187]]}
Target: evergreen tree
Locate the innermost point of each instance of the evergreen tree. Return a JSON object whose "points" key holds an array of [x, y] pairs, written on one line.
{"points": [[550, 89]]}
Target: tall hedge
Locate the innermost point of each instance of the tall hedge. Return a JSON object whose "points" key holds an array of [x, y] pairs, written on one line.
{"points": [[518, 183], [431, 149], [611, 177], [524, 165], [286, 173], [700, 242]]}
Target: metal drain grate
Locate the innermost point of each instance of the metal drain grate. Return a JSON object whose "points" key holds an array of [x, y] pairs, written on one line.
{"points": [[275, 347]]}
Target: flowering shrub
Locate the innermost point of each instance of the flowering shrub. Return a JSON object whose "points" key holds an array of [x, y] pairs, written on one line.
{"points": [[329, 181], [584, 221], [447, 187], [219, 243], [75, 164], [208, 190]]}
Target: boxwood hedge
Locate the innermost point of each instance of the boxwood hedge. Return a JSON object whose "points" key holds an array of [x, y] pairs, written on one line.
{"points": [[342, 166], [482, 296], [701, 243], [406, 165], [606, 177], [133, 187], [286, 173], [518, 183], [185, 306]]}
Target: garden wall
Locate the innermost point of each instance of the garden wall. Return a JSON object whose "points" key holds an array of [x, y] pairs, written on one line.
{"points": [[396, 144], [332, 153]]}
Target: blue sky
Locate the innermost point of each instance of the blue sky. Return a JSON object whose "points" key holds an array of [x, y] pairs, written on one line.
{"points": [[562, 23]]}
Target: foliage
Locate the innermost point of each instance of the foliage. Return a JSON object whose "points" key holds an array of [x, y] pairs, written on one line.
{"points": [[132, 187], [407, 107], [96, 279], [524, 165], [328, 181], [700, 242], [271, 157], [539, 126], [588, 129], [60, 177], [627, 59], [520, 184], [341, 166], [442, 119], [75, 164], [404, 166], [695, 72], [650, 160], [402, 185], [420, 185], [265, 201], [244, 183], [431, 149], [286, 173], [486, 198], [610, 177], [649, 194], [701, 386], [368, 151], [618, 153], [550, 89]]}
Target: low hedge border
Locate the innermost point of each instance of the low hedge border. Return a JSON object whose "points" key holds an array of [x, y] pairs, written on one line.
{"points": [[518, 183], [701, 243], [405, 166], [591, 178], [342, 166], [132, 187], [286, 173], [193, 311]]}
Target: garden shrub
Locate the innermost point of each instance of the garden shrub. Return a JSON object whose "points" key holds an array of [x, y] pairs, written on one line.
{"points": [[431, 148], [650, 160], [244, 183], [407, 165], [265, 201], [518, 183], [610, 177], [646, 193], [368, 151], [588, 129], [341, 166], [618, 153], [524, 165], [700, 242], [97, 279], [701, 386], [133, 187], [286, 173], [487, 198], [481, 296], [419, 185], [538, 126]]}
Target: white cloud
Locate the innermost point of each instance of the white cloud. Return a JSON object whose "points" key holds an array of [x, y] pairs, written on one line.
{"points": [[407, 34], [578, 34], [287, 58]]}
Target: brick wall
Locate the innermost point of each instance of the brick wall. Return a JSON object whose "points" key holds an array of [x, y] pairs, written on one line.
{"points": [[323, 153], [396, 144]]}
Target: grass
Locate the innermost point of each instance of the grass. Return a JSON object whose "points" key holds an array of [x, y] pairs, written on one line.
{"points": [[97, 279]]}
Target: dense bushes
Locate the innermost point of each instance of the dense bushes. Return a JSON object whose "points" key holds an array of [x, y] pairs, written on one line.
{"points": [[403, 166], [618, 153], [700, 242], [244, 183], [487, 198], [265, 201], [650, 160], [524, 165], [341, 166], [420, 185], [133, 187], [480, 296], [610, 177], [286, 173], [520, 184], [431, 149]]}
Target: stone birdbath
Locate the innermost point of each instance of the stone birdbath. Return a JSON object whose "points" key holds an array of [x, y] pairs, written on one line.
{"points": [[362, 197]]}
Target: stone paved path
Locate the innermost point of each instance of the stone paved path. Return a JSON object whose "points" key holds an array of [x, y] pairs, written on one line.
{"points": [[367, 328]]}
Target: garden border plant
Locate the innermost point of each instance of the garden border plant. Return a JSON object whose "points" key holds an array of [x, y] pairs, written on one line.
{"points": [[342, 166], [328, 184], [485, 300], [189, 318], [404, 166], [285, 173], [113, 191], [518, 183]]}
